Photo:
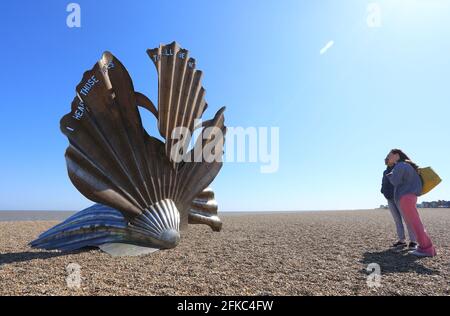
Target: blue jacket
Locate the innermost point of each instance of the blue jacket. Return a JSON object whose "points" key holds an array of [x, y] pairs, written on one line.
{"points": [[405, 180], [386, 186]]}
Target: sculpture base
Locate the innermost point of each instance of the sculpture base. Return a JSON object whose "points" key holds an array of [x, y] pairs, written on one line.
{"points": [[126, 250]]}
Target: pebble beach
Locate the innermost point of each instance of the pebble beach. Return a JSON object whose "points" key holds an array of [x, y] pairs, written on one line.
{"points": [[295, 253]]}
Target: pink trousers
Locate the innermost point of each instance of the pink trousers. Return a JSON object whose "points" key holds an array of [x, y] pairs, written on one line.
{"points": [[411, 216]]}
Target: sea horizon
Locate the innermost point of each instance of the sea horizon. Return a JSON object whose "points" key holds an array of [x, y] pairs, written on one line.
{"points": [[54, 215]]}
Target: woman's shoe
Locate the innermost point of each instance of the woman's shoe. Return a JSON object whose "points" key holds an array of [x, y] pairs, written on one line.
{"points": [[412, 245], [420, 253], [399, 244]]}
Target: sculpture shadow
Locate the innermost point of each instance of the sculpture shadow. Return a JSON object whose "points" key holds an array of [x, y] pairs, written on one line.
{"points": [[391, 261], [14, 257]]}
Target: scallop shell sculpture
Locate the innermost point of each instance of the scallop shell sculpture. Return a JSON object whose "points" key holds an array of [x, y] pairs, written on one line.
{"points": [[144, 195]]}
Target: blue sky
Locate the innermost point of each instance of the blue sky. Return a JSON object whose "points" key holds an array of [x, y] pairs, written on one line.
{"points": [[338, 113]]}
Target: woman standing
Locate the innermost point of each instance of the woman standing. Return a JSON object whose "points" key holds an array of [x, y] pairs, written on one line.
{"points": [[407, 186], [387, 189]]}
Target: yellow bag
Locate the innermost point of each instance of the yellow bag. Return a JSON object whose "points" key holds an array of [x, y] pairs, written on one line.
{"points": [[430, 179]]}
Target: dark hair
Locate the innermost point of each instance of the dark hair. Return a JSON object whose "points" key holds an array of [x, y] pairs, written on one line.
{"points": [[404, 157]]}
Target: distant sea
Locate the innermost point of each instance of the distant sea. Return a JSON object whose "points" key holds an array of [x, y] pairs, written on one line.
{"points": [[9, 216]]}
